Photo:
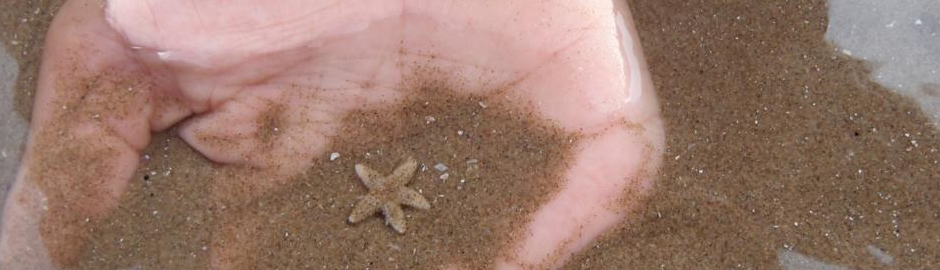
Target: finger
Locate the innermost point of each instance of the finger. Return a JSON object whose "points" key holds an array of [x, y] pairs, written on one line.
{"points": [[280, 128], [91, 119], [208, 45], [221, 33], [601, 90], [272, 133], [590, 202], [577, 71]]}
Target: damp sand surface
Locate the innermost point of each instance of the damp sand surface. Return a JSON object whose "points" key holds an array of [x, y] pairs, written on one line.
{"points": [[775, 142], [483, 166]]}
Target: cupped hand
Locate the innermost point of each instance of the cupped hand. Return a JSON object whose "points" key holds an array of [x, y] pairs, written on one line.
{"points": [[114, 72]]}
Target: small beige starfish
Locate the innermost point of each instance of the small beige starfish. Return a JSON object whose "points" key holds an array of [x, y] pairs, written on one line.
{"points": [[388, 193]]}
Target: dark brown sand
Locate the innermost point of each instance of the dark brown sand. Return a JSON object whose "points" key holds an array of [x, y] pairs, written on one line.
{"points": [[775, 142]]}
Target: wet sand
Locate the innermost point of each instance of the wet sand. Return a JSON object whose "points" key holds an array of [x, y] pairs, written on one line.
{"points": [[776, 142], [484, 168]]}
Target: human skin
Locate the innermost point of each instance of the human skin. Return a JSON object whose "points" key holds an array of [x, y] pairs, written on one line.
{"points": [[213, 67]]}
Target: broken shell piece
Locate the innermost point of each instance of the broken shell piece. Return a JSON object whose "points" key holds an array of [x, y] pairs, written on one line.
{"points": [[473, 169]]}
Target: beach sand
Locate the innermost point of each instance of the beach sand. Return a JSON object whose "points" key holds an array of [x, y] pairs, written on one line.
{"points": [[776, 143], [483, 168]]}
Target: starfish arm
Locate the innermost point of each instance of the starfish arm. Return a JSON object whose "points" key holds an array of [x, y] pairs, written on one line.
{"points": [[369, 177], [364, 208], [412, 198], [402, 175], [394, 216]]}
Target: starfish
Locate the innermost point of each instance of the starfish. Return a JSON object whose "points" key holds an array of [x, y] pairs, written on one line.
{"points": [[388, 193]]}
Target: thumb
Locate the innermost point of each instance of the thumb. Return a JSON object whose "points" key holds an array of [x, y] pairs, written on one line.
{"points": [[89, 123]]}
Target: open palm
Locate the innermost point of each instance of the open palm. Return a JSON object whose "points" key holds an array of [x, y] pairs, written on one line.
{"points": [[217, 68]]}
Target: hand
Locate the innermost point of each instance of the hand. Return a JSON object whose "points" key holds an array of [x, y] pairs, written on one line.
{"points": [[115, 72]]}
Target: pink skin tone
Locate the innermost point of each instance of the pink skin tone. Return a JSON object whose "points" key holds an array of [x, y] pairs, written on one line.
{"points": [[577, 62]]}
